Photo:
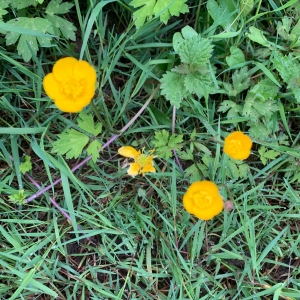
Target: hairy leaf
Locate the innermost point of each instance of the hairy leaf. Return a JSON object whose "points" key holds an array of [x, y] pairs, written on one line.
{"points": [[71, 142], [173, 88]]}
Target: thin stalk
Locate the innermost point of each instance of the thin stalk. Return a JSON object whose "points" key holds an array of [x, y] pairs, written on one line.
{"points": [[173, 131], [41, 192]]}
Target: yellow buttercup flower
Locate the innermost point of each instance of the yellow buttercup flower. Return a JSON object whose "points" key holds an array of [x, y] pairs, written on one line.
{"points": [[71, 84], [202, 199], [143, 163], [238, 145]]}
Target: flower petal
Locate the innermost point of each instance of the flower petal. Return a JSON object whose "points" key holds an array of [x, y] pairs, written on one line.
{"points": [[68, 105], [128, 151], [83, 69], [147, 169], [52, 87], [134, 169], [63, 69]]}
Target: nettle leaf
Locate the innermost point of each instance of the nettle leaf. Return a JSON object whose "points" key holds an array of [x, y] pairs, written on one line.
{"points": [[237, 56], [153, 7], [71, 142], [93, 148], [37, 24], [265, 89], [246, 6], [173, 88], [86, 122], [26, 165], [59, 24], [19, 4], [164, 145], [196, 50], [196, 83]]}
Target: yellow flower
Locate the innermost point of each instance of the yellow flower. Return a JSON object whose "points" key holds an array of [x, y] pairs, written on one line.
{"points": [[143, 163], [71, 84], [202, 199], [238, 145]]}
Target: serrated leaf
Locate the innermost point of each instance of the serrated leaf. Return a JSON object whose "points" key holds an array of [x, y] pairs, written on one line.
{"points": [[19, 4], [26, 165], [283, 28], [257, 36], [195, 83], [258, 130], [152, 7], [18, 198], [262, 150], [265, 89], [196, 50], [271, 154], [59, 24], [173, 88], [246, 6], [240, 80], [37, 24], [237, 56], [162, 138], [185, 155], [175, 140], [55, 7], [194, 173], [244, 169], [86, 122], [71, 142], [93, 148]]}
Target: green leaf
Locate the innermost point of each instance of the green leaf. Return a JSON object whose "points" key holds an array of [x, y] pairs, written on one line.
{"points": [[265, 89], [19, 4], [221, 13], [18, 198], [264, 156], [37, 24], [244, 170], [71, 142], [174, 140], [55, 7], [152, 7], [164, 145], [162, 138], [86, 122], [93, 148], [194, 173], [196, 50], [3, 12], [237, 56], [257, 36], [233, 109], [284, 27], [240, 82], [60, 25], [173, 88], [258, 130], [246, 6], [26, 165]]}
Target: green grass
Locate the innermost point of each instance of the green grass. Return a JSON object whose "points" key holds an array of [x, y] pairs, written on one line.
{"points": [[146, 245]]}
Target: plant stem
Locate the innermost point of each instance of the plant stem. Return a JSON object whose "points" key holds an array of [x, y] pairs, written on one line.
{"points": [[173, 131], [104, 146]]}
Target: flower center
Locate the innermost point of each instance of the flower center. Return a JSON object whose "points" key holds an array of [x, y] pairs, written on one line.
{"points": [[235, 146], [73, 88], [142, 159], [202, 199]]}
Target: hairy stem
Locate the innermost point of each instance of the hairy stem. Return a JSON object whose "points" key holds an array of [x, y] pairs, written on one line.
{"points": [[173, 131]]}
